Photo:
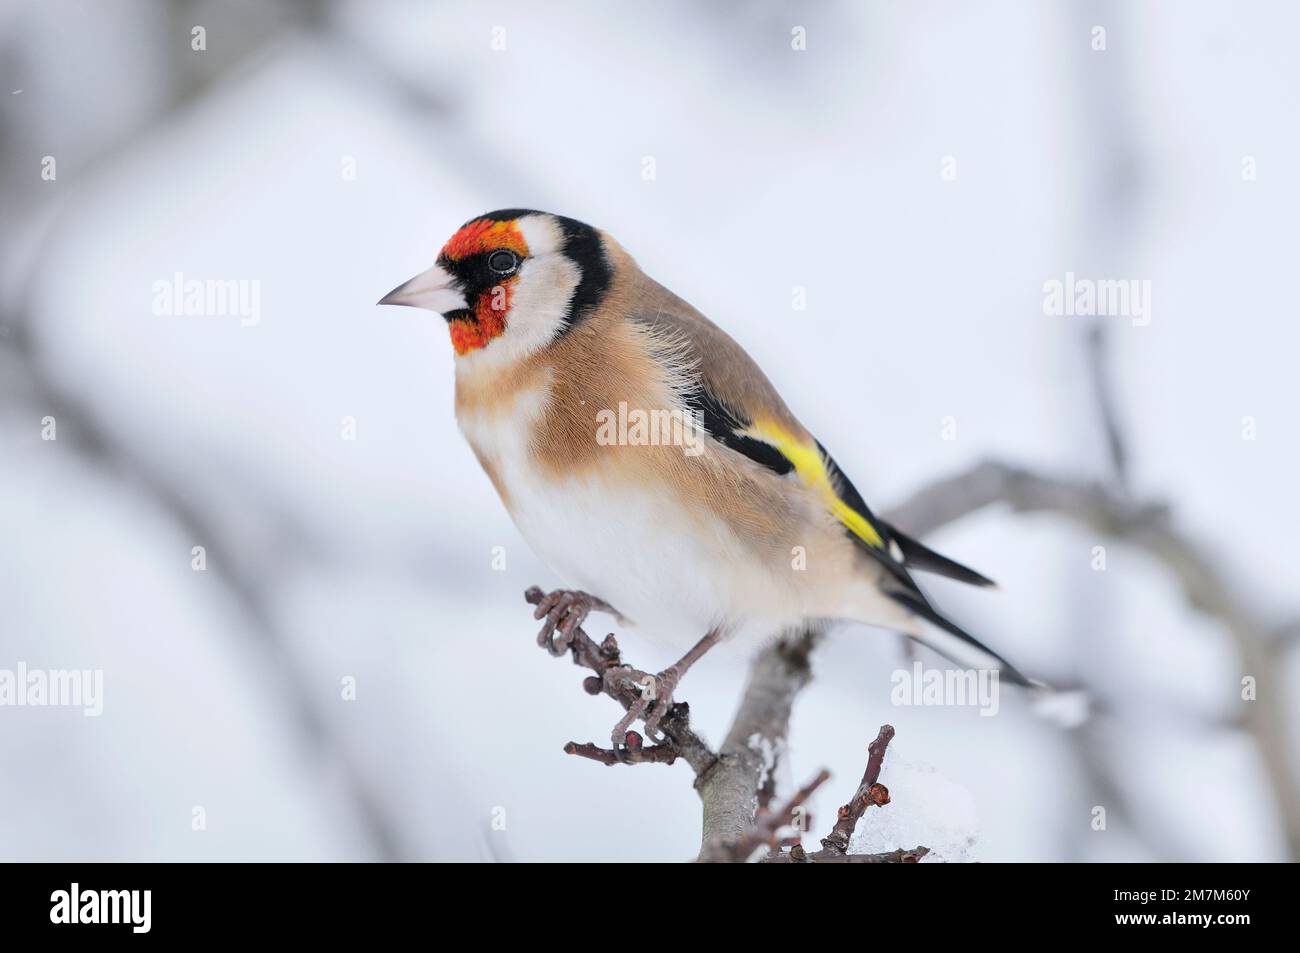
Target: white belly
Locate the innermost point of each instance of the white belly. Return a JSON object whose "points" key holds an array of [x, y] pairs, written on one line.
{"points": [[634, 547]]}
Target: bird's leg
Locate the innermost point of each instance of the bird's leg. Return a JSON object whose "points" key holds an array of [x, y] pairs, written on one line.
{"points": [[565, 610], [660, 689]]}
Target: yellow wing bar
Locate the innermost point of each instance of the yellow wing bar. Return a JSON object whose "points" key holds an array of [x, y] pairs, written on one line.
{"points": [[811, 469]]}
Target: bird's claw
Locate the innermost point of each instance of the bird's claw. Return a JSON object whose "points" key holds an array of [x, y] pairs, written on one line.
{"points": [[654, 703], [564, 610]]}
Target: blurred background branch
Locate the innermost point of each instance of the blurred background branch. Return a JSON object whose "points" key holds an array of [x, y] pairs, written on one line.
{"points": [[1148, 526], [244, 575]]}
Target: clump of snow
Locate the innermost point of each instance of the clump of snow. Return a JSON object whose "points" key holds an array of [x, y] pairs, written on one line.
{"points": [[769, 752], [925, 809]]}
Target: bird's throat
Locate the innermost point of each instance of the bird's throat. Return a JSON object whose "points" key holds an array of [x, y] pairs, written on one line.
{"points": [[471, 331]]}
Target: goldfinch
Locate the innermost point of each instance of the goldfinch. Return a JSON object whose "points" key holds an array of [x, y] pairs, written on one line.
{"points": [[649, 461]]}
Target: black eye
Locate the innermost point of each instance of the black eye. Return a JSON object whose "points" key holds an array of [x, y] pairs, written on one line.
{"points": [[503, 262]]}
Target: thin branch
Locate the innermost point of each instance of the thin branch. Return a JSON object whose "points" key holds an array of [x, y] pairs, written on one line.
{"points": [[869, 792], [798, 855], [1102, 383], [635, 752]]}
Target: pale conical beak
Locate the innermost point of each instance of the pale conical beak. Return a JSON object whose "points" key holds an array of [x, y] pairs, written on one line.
{"points": [[433, 290]]}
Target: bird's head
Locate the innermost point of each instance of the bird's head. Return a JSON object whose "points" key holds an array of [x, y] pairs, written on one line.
{"points": [[511, 281]]}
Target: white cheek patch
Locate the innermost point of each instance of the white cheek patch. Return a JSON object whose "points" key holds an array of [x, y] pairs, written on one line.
{"points": [[540, 304]]}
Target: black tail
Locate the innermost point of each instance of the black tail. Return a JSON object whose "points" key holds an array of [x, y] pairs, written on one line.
{"points": [[919, 556], [953, 642]]}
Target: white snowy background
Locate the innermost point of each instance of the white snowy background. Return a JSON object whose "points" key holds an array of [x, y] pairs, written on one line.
{"points": [[372, 558]]}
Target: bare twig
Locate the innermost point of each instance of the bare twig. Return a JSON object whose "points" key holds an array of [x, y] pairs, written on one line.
{"points": [[869, 792], [635, 752], [1102, 382], [798, 855]]}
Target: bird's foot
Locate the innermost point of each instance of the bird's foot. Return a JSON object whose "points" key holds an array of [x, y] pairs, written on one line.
{"points": [[654, 703], [565, 610], [665, 685]]}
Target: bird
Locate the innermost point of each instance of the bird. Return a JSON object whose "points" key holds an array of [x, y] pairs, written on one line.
{"points": [[648, 460]]}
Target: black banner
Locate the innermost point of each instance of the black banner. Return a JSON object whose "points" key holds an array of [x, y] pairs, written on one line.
{"points": [[136, 902]]}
